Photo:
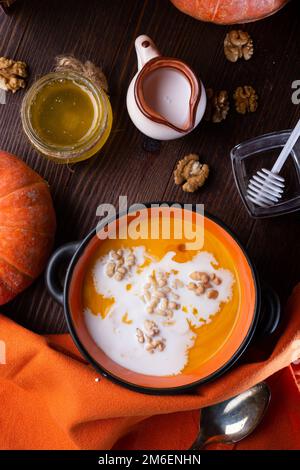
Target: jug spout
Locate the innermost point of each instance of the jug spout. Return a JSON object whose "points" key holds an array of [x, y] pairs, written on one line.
{"points": [[145, 50]]}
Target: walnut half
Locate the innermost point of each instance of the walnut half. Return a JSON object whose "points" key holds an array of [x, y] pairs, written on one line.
{"points": [[217, 105], [238, 44], [190, 173], [245, 98], [12, 74]]}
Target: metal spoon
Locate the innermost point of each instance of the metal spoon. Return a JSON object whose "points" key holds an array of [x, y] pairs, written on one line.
{"points": [[234, 419]]}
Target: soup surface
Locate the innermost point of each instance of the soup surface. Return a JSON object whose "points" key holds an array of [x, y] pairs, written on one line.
{"points": [[157, 308]]}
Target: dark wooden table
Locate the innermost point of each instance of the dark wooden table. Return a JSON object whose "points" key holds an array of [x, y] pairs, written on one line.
{"points": [[104, 32]]}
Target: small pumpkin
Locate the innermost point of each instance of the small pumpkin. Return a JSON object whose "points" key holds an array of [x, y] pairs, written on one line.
{"points": [[229, 11], [27, 226]]}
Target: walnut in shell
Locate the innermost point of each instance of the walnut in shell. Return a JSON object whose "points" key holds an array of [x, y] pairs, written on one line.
{"points": [[217, 105], [246, 99], [12, 74], [190, 174], [238, 44]]}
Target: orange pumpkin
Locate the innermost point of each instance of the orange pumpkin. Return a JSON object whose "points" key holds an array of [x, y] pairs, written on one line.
{"points": [[229, 11], [27, 226]]}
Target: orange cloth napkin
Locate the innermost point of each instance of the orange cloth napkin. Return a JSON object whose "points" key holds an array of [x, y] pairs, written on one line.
{"points": [[50, 399]]}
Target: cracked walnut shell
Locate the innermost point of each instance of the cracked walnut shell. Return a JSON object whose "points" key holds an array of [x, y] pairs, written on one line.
{"points": [[217, 105], [238, 44], [245, 98], [190, 174], [12, 74]]}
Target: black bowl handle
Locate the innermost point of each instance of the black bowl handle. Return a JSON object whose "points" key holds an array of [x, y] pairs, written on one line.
{"points": [[61, 257], [270, 312]]}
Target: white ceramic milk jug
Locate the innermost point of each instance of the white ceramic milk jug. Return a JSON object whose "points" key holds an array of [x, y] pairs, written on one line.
{"points": [[165, 100]]}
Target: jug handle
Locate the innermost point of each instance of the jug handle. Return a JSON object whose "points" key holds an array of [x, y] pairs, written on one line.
{"points": [[145, 50]]}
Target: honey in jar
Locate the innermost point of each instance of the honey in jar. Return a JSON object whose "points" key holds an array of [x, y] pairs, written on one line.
{"points": [[66, 117]]}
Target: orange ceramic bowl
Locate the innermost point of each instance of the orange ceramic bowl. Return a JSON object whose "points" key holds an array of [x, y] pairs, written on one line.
{"points": [[229, 340]]}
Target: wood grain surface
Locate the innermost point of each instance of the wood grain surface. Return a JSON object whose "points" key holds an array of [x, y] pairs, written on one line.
{"points": [[104, 32]]}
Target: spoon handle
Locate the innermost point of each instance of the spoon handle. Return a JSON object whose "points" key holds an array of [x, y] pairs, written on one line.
{"points": [[287, 148]]}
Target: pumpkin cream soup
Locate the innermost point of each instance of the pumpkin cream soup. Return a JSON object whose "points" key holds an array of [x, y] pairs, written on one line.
{"points": [[156, 308]]}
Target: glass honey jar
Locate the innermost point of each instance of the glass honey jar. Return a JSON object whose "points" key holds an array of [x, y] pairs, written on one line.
{"points": [[66, 117]]}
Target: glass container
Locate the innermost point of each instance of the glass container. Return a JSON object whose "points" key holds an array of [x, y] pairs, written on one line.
{"points": [[261, 152], [48, 113]]}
